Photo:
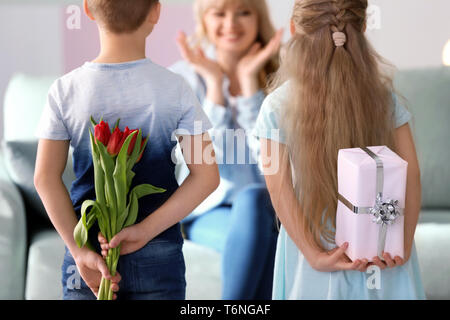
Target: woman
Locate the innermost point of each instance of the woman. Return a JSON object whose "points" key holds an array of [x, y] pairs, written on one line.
{"points": [[233, 52]]}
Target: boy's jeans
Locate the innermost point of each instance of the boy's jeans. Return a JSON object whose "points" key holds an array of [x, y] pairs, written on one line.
{"points": [[155, 272]]}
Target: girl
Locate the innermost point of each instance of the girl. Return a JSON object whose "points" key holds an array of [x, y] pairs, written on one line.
{"points": [[233, 52], [331, 95]]}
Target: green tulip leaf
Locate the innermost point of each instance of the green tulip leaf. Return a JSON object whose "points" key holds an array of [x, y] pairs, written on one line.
{"points": [[108, 165], [115, 126], [137, 193], [99, 175], [80, 234], [130, 176], [93, 121], [135, 154], [146, 190], [144, 145], [120, 177], [85, 223], [106, 159], [133, 208], [93, 145], [103, 226], [123, 217], [92, 217]]}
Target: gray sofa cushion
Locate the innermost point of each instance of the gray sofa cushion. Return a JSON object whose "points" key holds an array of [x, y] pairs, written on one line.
{"points": [[432, 242], [428, 96], [45, 258], [20, 159], [13, 239], [203, 272], [46, 255], [435, 216]]}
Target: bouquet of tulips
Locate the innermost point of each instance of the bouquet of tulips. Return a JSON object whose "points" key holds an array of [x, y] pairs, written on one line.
{"points": [[114, 154]]}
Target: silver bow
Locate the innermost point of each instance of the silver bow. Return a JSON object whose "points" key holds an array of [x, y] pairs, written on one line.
{"points": [[385, 212]]}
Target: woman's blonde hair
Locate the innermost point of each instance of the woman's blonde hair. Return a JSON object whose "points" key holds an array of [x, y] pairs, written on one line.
{"points": [[339, 98], [266, 30]]}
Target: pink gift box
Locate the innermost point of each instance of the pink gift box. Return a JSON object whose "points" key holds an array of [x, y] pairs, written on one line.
{"points": [[357, 183]]}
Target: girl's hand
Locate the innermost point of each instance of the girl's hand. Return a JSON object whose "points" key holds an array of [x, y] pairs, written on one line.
{"points": [[388, 261], [336, 260], [205, 67], [251, 64], [92, 267], [130, 239]]}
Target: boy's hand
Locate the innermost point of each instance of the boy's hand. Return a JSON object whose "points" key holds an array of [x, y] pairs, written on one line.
{"points": [[92, 267], [131, 240], [336, 260]]}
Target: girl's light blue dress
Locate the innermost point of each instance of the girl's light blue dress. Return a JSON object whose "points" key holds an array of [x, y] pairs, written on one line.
{"points": [[295, 279]]}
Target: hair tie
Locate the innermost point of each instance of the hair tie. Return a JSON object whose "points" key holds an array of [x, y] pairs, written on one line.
{"points": [[339, 38]]}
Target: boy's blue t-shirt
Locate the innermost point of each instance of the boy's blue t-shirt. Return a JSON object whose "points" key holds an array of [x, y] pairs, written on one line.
{"points": [[144, 96]]}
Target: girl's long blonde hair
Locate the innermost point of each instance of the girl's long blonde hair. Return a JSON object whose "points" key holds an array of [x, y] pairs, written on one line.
{"points": [[339, 98], [266, 30]]}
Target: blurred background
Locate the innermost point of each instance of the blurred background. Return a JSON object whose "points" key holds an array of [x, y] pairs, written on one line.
{"points": [[41, 40], [43, 37]]}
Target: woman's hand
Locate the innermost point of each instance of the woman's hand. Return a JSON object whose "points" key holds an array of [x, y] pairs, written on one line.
{"points": [[130, 239], [251, 64], [92, 267], [208, 69], [336, 260]]}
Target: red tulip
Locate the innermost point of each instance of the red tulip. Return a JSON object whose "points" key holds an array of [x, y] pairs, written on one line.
{"points": [[126, 133], [133, 142], [102, 133], [115, 142]]}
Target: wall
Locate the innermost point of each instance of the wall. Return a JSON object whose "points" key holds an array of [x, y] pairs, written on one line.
{"points": [[34, 38], [413, 32]]}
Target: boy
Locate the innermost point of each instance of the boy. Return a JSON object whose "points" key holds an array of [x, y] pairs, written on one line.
{"points": [[122, 83]]}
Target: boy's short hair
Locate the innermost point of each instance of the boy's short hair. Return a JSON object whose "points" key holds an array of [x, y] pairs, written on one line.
{"points": [[121, 16]]}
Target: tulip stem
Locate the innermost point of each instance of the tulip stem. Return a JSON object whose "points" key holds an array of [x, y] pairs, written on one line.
{"points": [[105, 292], [101, 290]]}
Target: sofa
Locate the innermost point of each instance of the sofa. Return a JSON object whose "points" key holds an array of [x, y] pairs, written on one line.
{"points": [[31, 251]]}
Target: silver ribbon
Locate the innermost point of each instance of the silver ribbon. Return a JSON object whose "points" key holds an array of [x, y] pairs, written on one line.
{"points": [[385, 212]]}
